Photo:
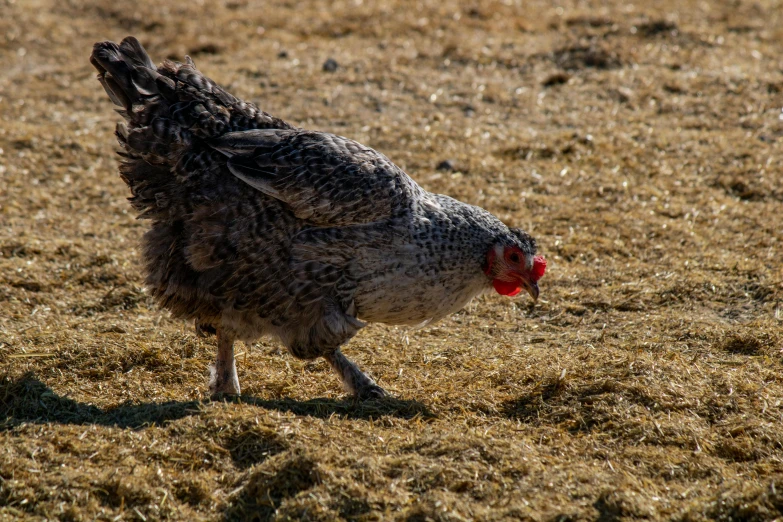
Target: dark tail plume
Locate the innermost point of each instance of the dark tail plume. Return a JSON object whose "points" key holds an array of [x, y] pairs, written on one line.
{"points": [[127, 73]]}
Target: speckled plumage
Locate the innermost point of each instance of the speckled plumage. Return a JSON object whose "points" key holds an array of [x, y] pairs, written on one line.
{"points": [[259, 227]]}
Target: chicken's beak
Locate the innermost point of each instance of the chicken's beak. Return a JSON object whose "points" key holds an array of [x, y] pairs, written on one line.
{"points": [[529, 285], [532, 288]]}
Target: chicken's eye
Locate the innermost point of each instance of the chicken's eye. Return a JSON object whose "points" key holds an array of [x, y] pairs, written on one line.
{"points": [[514, 257]]}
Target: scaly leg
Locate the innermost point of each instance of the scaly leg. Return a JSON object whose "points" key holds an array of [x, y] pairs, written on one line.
{"points": [[223, 378], [354, 380]]}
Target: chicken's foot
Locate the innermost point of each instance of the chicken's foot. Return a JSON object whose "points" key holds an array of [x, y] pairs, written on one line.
{"points": [[354, 380], [223, 379]]}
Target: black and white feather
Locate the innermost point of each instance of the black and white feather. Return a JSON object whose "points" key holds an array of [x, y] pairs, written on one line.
{"points": [[259, 227]]}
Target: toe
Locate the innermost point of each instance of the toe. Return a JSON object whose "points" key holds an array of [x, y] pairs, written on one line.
{"points": [[371, 392], [227, 390], [223, 396]]}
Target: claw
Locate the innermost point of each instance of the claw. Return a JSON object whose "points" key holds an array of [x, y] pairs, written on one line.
{"points": [[371, 392]]}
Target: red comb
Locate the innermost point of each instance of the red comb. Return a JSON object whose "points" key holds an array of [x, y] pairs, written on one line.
{"points": [[539, 267]]}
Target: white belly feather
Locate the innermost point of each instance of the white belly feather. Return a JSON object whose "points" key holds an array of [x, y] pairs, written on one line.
{"points": [[396, 298]]}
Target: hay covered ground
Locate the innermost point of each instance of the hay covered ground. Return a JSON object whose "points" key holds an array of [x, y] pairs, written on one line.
{"points": [[641, 144]]}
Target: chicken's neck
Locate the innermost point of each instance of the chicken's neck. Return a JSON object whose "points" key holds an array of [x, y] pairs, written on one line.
{"points": [[434, 268]]}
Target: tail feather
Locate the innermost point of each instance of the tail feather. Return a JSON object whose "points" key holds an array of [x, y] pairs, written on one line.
{"points": [[173, 91], [125, 71], [176, 178], [171, 113]]}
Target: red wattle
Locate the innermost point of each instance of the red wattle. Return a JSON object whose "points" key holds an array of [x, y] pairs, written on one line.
{"points": [[507, 287], [539, 267]]}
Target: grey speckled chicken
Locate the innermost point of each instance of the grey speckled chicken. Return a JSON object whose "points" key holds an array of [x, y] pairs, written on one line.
{"points": [[261, 228]]}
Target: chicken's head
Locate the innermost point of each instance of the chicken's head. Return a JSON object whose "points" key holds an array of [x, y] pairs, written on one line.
{"points": [[513, 265]]}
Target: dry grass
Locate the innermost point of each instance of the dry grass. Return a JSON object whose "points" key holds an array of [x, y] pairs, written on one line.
{"points": [[641, 145]]}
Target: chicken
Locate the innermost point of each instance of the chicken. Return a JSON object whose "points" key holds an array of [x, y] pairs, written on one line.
{"points": [[261, 228]]}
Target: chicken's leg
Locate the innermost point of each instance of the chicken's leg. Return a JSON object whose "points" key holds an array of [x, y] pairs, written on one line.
{"points": [[354, 380], [223, 378]]}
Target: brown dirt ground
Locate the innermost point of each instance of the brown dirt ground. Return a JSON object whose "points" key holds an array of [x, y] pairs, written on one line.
{"points": [[640, 144]]}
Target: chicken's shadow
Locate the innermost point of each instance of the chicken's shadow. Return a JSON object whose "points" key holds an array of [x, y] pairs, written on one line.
{"points": [[325, 407], [27, 399]]}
